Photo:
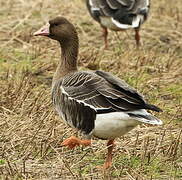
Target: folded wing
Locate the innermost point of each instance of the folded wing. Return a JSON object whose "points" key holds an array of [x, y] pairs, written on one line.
{"points": [[128, 12], [83, 95]]}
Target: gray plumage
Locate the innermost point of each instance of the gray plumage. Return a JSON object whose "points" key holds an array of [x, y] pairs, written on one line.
{"points": [[85, 99], [80, 96], [119, 15], [96, 103], [123, 11]]}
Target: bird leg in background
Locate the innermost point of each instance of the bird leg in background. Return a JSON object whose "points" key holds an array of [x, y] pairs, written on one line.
{"points": [[73, 141], [137, 37], [105, 33], [110, 148]]}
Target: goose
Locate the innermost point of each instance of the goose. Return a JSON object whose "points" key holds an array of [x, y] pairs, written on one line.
{"points": [[96, 103], [119, 15]]}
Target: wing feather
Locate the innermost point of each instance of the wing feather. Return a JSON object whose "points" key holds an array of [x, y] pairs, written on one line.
{"points": [[119, 3], [102, 90], [80, 96], [122, 12], [122, 86]]}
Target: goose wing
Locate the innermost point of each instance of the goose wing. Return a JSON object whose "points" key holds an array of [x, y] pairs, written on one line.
{"points": [[101, 91], [127, 12], [80, 96]]}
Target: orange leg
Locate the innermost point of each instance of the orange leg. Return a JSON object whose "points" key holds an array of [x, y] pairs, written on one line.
{"points": [[110, 148], [73, 141], [105, 33], [137, 37]]}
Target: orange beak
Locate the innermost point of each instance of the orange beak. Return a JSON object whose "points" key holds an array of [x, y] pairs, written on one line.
{"points": [[43, 31]]}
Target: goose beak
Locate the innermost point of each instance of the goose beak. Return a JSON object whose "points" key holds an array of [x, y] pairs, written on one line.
{"points": [[43, 31]]}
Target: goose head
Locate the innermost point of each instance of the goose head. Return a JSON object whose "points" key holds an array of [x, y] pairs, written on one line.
{"points": [[64, 32], [59, 29]]}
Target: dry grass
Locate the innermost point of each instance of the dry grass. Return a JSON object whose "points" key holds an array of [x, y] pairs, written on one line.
{"points": [[31, 131]]}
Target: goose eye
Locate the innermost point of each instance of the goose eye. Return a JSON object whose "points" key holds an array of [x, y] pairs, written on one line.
{"points": [[56, 24]]}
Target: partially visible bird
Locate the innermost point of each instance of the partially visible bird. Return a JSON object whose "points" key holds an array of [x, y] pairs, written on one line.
{"points": [[94, 102], [119, 15]]}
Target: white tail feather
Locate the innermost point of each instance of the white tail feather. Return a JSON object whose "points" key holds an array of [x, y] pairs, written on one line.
{"points": [[135, 23]]}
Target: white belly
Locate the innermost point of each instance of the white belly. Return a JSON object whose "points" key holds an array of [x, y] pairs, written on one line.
{"points": [[112, 125], [112, 24], [107, 22]]}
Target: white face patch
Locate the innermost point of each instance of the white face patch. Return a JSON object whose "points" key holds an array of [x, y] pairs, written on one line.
{"points": [[43, 31]]}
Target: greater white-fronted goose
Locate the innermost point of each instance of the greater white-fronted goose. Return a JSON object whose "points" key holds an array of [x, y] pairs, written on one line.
{"points": [[94, 102], [119, 15]]}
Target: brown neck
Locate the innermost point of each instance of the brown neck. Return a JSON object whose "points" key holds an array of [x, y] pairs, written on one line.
{"points": [[68, 61]]}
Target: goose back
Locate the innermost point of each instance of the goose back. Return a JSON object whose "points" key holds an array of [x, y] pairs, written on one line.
{"points": [[126, 12], [80, 96]]}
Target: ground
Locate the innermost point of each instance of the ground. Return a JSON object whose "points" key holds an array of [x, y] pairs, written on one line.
{"points": [[31, 131]]}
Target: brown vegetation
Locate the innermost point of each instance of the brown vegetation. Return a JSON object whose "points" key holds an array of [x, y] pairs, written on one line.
{"points": [[31, 131]]}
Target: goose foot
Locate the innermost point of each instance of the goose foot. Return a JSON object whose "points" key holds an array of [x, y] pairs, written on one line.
{"points": [[110, 148], [73, 141], [137, 38], [105, 34]]}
